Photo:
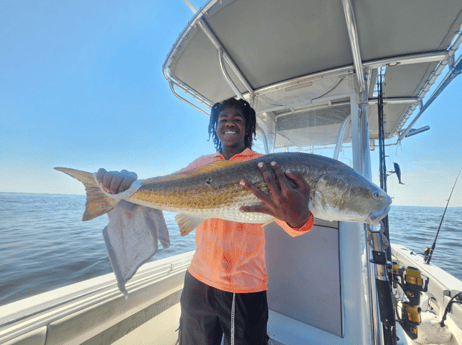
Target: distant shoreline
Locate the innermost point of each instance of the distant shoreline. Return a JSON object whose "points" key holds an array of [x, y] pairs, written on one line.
{"points": [[40, 193], [442, 206]]}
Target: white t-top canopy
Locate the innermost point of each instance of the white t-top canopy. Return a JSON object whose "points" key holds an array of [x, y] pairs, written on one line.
{"points": [[295, 59]]}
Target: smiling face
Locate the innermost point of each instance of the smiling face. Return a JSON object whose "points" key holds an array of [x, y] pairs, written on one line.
{"points": [[231, 130]]}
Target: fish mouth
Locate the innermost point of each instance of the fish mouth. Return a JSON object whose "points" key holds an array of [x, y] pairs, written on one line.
{"points": [[375, 217]]}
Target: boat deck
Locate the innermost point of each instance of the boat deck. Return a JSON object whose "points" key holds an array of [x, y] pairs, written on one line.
{"points": [[160, 330]]}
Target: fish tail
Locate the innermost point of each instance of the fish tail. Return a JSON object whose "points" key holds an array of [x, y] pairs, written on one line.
{"points": [[97, 203]]}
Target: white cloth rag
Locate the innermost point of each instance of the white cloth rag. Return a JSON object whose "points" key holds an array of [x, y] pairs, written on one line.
{"points": [[131, 238]]}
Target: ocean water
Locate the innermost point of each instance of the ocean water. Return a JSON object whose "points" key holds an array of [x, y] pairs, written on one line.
{"points": [[44, 244]]}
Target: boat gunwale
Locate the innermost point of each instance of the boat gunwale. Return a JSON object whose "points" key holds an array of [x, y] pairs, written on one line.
{"points": [[12, 327]]}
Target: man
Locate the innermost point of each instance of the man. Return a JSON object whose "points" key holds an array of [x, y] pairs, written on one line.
{"points": [[225, 285]]}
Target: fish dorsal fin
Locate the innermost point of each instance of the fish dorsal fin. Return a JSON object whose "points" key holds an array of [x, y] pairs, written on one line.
{"points": [[269, 221], [187, 223], [193, 172]]}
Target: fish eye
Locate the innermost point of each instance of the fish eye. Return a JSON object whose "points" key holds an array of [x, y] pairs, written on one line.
{"points": [[208, 181], [376, 195]]}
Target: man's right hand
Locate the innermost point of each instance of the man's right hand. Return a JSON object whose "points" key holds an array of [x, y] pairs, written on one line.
{"points": [[115, 181]]}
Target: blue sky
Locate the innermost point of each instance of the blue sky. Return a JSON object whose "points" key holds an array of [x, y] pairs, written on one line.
{"points": [[81, 86]]}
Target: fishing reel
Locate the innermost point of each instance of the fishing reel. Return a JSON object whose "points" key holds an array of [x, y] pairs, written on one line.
{"points": [[411, 282], [426, 254], [414, 285]]}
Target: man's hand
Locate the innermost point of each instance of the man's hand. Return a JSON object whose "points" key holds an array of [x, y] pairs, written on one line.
{"points": [[115, 181], [284, 202]]}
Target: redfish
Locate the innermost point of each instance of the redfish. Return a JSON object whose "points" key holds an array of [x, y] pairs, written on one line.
{"points": [[337, 192]]}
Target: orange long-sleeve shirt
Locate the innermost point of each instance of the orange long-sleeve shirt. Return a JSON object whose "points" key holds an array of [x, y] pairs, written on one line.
{"points": [[230, 256]]}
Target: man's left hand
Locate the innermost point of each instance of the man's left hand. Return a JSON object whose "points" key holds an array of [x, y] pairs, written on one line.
{"points": [[287, 203]]}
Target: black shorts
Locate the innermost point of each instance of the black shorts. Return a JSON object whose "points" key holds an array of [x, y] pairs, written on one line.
{"points": [[206, 315]]}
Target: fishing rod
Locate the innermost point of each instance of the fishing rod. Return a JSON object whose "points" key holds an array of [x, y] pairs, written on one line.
{"points": [[381, 253], [428, 252]]}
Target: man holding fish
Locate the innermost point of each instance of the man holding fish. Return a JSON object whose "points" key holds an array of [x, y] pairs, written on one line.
{"points": [[225, 285]]}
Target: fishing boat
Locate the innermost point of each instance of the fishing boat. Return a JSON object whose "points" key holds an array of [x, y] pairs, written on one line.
{"points": [[322, 75]]}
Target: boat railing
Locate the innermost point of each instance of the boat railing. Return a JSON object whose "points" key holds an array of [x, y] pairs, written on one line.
{"points": [[98, 296]]}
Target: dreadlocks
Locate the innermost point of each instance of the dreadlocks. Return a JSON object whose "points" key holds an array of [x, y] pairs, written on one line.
{"points": [[247, 111]]}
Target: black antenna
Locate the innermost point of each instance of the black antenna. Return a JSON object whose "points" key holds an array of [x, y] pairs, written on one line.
{"points": [[429, 251]]}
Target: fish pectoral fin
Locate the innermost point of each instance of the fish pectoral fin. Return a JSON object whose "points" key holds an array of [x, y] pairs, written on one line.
{"points": [[317, 201], [187, 223], [269, 221]]}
